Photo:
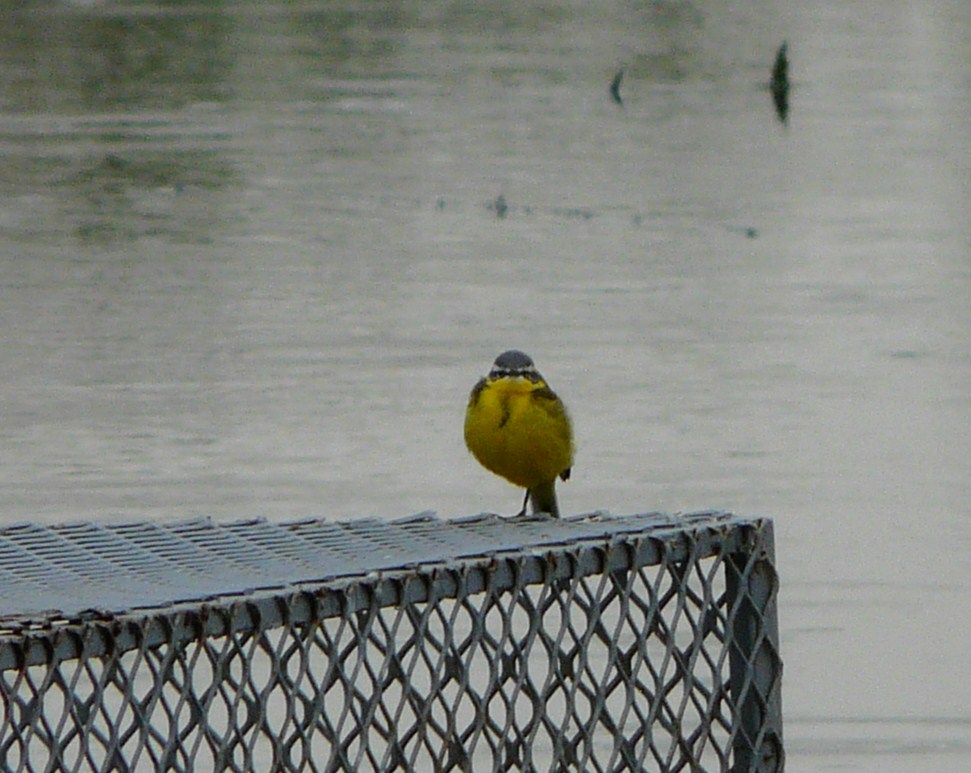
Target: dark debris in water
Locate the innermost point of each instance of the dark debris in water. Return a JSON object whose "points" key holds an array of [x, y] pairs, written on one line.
{"points": [[581, 213], [779, 84], [615, 87], [748, 231], [502, 209]]}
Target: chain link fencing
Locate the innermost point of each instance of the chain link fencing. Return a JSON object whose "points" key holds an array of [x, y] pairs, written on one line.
{"points": [[600, 643]]}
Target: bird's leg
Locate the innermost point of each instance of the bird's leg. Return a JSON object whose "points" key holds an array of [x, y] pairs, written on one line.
{"points": [[522, 512]]}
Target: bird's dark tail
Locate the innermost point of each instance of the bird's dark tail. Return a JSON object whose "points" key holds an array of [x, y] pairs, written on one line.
{"points": [[543, 499]]}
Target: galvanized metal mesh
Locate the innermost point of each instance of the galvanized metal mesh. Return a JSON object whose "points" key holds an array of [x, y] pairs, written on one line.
{"points": [[645, 643]]}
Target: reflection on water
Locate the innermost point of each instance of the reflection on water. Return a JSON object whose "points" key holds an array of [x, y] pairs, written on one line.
{"points": [[253, 261], [77, 61], [106, 123]]}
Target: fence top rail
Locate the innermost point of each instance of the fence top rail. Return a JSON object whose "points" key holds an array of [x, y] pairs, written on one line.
{"points": [[59, 577]]}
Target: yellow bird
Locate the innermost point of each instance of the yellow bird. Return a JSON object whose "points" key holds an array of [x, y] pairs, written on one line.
{"points": [[518, 428]]}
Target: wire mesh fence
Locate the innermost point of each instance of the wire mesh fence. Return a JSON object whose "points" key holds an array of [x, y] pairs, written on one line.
{"points": [[643, 643]]}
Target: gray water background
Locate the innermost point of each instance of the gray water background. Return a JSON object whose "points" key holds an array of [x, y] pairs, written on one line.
{"points": [[251, 264]]}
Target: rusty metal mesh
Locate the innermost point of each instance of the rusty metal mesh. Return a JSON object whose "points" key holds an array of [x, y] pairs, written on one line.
{"points": [[646, 650]]}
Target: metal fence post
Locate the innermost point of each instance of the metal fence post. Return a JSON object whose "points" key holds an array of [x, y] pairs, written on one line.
{"points": [[756, 665]]}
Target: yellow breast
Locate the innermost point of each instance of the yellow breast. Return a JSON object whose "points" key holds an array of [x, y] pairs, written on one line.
{"points": [[520, 430]]}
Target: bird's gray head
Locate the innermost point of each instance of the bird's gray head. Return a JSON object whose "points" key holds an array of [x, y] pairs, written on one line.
{"points": [[514, 363]]}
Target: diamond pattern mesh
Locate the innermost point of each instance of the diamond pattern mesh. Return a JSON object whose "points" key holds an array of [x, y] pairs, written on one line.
{"points": [[647, 651]]}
